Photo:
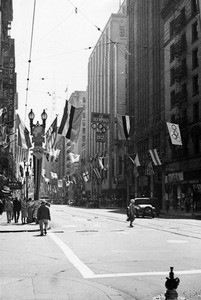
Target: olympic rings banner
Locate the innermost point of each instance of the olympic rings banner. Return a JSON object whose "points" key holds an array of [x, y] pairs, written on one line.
{"points": [[174, 133]]}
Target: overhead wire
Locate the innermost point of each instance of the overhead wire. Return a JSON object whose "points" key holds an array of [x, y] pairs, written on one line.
{"points": [[29, 61]]}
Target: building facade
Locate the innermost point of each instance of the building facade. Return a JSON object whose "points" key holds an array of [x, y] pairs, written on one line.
{"points": [[106, 97], [146, 100], [182, 72]]}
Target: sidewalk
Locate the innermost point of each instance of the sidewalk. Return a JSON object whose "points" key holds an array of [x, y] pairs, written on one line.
{"points": [[16, 227]]}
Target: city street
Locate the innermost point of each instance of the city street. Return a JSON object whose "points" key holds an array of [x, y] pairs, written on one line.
{"points": [[94, 254]]}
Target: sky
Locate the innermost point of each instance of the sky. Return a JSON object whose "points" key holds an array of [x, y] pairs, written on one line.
{"points": [[62, 33]]}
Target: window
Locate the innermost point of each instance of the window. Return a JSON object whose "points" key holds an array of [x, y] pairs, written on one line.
{"points": [[194, 32], [193, 6], [173, 119], [195, 63], [195, 85], [196, 112], [196, 144], [172, 79], [121, 31], [171, 27], [171, 52], [172, 98], [184, 117]]}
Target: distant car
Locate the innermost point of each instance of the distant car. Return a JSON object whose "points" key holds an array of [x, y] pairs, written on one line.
{"points": [[145, 208]]}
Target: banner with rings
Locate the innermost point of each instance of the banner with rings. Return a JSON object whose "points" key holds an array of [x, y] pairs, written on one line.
{"points": [[174, 133], [100, 122]]}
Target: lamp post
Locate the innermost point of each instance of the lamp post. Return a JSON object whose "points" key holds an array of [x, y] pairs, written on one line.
{"points": [[37, 131], [27, 176]]}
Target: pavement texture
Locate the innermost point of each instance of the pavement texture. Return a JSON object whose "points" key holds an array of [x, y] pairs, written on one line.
{"points": [[17, 284], [16, 227]]}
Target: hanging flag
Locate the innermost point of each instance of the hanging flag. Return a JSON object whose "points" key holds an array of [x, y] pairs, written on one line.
{"points": [[100, 160], [23, 134], [149, 169], [155, 157], [54, 175], [86, 176], [123, 127], [135, 161], [3, 135], [174, 133], [75, 119], [63, 128], [74, 157], [51, 135], [97, 173], [135, 171]]}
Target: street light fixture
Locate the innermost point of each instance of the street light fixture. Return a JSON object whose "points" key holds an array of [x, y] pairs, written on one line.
{"points": [[26, 164], [37, 131]]}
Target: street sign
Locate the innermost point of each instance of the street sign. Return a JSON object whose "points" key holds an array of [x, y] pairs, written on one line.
{"points": [[15, 185]]}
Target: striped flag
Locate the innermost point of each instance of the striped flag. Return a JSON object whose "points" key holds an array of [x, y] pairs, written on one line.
{"points": [[174, 133], [75, 119], [155, 157], [123, 127], [97, 173], [63, 126], [51, 135]]}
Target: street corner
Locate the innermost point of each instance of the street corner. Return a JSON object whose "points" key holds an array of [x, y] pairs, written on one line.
{"points": [[16, 227]]}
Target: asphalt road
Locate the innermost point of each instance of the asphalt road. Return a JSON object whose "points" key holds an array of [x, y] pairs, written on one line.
{"points": [[94, 252]]}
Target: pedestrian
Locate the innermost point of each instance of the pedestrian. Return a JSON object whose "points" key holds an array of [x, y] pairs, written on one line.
{"points": [[1, 207], [9, 209], [131, 212], [43, 217], [24, 212], [16, 209]]}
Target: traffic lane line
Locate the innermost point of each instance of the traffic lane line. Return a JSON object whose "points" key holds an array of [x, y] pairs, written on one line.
{"points": [[87, 273]]}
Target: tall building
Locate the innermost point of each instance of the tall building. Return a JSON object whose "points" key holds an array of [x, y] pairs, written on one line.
{"points": [[106, 97], [182, 72], [146, 100], [8, 99]]}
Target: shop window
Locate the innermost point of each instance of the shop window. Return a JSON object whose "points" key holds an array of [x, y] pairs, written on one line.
{"points": [[196, 112], [194, 32], [195, 84], [195, 62]]}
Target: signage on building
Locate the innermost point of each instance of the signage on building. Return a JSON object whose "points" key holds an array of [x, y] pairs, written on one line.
{"points": [[100, 121], [15, 185], [175, 177]]}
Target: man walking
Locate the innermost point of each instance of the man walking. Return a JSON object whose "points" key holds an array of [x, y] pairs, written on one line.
{"points": [[43, 216], [16, 209]]}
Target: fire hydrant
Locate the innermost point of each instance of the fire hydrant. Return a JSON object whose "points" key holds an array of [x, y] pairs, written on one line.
{"points": [[171, 284]]}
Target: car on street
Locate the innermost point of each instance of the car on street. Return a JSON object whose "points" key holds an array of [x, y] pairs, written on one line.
{"points": [[144, 208]]}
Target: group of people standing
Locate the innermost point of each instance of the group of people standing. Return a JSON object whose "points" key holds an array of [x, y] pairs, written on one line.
{"points": [[13, 207], [40, 213]]}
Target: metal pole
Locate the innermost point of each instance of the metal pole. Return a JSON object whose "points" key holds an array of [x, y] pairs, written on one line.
{"points": [[27, 178]]}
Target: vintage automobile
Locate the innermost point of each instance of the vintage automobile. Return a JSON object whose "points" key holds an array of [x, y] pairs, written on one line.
{"points": [[144, 208]]}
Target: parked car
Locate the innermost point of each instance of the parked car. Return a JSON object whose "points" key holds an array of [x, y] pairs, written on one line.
{"points": [[144, 207]]}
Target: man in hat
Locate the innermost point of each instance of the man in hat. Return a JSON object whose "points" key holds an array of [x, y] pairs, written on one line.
{"points": [[43, 217]]}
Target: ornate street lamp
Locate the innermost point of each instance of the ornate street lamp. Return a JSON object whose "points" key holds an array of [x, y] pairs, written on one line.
{"points": [[26, 164], [37, 131]]}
